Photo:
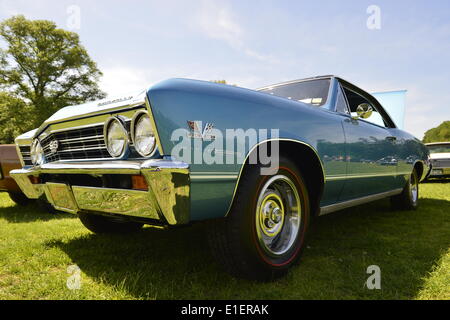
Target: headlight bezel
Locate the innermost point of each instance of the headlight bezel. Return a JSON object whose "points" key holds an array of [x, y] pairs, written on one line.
{"points": [[36, 144], [122, 126], [134, 122]]}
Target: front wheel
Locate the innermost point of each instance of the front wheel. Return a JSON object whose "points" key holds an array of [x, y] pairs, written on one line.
{"points": [[19, 198], [102, 224], [264, 232], [409, 198]]}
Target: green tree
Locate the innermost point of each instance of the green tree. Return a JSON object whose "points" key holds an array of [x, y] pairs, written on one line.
{"points": [[42, 69], [438, 134], [14, 117]]}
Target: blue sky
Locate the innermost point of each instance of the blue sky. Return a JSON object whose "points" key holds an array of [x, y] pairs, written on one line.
{"points": [[255, 43]]}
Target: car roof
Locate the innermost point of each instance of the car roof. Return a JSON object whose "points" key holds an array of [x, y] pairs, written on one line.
{"points": [[346, 83]]}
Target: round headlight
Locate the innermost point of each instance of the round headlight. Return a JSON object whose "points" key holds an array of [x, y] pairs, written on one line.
{"points": [[116, 137], [142, 134], [37, 153]]}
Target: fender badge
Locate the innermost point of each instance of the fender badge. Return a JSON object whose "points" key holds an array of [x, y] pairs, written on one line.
{"points": [[197, 131]]}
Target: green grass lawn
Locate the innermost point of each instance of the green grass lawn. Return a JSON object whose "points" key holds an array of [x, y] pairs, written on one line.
{"points": [[411, 248]]}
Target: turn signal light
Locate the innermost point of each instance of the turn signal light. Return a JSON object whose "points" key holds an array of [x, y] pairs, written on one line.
{"points": [[138, 183], [34, 180]]}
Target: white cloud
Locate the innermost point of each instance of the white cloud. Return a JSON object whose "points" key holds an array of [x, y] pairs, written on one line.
{"points": [[217, 21], [120, 80]]}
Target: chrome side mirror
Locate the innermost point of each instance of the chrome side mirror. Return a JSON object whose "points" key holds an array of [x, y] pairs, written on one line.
{"points": [[364, 110]]}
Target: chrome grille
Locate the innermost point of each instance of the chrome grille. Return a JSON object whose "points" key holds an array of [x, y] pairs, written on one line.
{"points": [[441, 163], [82, 143], [25, 152]]}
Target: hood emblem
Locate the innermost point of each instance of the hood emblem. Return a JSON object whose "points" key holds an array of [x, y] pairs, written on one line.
{"points": [[197, 131], [53, 146]]}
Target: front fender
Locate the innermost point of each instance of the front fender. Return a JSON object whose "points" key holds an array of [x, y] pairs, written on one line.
{"points": [[175, 102]]}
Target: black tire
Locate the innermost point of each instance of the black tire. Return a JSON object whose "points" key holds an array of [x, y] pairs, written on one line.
{"points": [[102, 224], [19, 198], [409, 198], [235, 241]]}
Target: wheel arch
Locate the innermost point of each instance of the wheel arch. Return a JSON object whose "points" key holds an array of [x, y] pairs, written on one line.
{"points": [[419, 166], [308, 162]]}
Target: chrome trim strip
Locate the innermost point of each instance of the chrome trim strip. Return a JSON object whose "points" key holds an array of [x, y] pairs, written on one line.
{"points": [[355, 202], [258, 144], [82, 149], [360, 176], [85, 139], [295, 81], [436, 143], [91, 167], [212, 172], [155, 127], [72, 128], [214, 177]]}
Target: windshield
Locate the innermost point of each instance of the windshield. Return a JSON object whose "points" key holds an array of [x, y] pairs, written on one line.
{"points": [[439, 148], [313, 92]]}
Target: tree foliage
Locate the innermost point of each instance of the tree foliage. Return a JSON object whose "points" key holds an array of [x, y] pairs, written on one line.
{"points": [[14, 117], [438, 134], [42, 69]]}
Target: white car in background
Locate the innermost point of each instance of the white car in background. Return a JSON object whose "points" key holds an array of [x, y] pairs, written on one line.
{"points": [[440, 159]]}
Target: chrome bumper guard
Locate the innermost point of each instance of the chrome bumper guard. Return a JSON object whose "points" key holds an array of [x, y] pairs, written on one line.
{"points": [[167, 199]]}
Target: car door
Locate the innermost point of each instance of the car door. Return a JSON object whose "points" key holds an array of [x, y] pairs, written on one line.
{"points": [[370, 148]]}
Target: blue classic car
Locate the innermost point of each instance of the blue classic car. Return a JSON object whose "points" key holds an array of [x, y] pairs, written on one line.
{"points": [[258, 164]]}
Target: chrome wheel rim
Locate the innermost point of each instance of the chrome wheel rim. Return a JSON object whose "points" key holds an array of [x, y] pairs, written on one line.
{"points": [[278, 215], [414, 187]]}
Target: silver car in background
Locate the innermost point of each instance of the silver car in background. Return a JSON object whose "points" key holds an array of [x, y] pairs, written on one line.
{"points": [[440, 159]]}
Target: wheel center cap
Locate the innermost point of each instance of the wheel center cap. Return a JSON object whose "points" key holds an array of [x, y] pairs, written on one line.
{"points": [[272, 215], [276, 215]]}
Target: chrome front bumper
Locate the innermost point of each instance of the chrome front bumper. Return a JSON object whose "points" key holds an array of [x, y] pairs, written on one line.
{"points": [[439, 172], [166, 201]]}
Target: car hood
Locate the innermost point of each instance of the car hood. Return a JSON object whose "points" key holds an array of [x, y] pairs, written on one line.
{"points": [[25, 138], [96, 107], [443, 155]]}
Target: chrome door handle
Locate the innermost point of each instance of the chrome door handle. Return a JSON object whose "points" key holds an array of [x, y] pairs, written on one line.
{"points": [[392, 138]]}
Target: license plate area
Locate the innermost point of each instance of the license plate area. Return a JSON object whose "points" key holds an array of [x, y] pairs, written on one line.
{"points": [[61, 197], [437, 172]]}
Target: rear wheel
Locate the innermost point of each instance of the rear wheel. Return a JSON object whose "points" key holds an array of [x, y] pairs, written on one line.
{"points": [[409, 198], [265, 230], [102, 224]]}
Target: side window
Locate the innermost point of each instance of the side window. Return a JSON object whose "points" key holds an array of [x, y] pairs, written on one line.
{"points": [[341, 102], [354, 100]]}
